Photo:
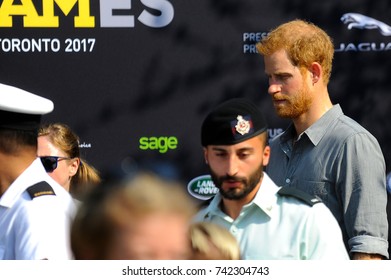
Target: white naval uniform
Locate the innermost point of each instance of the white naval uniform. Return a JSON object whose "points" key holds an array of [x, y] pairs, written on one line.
{"points": [[39, 227]]}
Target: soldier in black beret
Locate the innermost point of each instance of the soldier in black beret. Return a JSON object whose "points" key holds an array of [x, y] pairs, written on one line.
{"points": [[233, 122], [268, 221]]}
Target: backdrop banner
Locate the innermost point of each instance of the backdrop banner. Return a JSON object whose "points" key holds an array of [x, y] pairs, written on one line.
{"points": [[135, 78]]}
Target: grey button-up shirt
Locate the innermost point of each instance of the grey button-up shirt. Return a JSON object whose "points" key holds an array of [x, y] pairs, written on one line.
{"points": [[339, 161]]}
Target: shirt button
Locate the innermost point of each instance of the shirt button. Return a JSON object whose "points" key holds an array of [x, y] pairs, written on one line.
{"points": [[288, 181], [234, 230]]}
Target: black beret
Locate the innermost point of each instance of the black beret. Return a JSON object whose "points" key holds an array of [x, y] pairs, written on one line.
{"points": [[232, 122]]}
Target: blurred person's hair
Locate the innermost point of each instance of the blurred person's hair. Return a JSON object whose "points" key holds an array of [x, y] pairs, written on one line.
{"points": [[213, 242], [118, 205]]}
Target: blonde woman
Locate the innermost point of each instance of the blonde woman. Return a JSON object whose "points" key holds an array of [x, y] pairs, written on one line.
{"points": [[58, 148]]}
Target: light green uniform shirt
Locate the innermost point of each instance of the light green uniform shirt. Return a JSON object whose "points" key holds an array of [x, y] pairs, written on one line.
{"points": [[274, 226]]}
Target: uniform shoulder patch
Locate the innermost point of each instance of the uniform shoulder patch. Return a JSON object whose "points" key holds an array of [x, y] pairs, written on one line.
{"points": [[301, 195], [40, 189]]}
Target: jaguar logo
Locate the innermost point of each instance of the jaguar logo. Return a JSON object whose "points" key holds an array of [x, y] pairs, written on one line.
{"points": [[354, 20]]}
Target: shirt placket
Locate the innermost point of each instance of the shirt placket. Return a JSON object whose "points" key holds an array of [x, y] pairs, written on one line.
{"points": [[293, 153]]}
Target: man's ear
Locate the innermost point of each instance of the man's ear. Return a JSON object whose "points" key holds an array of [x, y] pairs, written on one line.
{"points": [[315, 72], [206, 155], [266, 155]]}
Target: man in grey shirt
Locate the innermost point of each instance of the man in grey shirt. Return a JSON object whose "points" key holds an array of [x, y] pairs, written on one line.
{"points": [[324, 152]]}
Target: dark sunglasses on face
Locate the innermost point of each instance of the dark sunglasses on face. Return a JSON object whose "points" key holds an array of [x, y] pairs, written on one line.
{"points": [[50, 162]]}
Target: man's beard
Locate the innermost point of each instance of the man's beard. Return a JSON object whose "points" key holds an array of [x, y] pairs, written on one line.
{"points": [[297, 105], [249, 184]]}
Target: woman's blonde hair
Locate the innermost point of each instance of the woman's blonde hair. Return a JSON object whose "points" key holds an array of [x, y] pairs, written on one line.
{"points": [[62, 137]]}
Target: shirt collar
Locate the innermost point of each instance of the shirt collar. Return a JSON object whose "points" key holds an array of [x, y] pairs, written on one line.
{"points": [[317, 130], [265, 200]]}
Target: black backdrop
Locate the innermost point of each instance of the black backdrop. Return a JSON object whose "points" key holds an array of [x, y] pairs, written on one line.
{"points": [[156, 84]]}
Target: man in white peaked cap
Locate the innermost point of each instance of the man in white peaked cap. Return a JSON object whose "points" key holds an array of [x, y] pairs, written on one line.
{"points": [[35, 212]]}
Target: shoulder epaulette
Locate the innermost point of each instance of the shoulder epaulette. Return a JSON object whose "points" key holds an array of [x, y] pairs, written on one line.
{"points": [[301, 195], [40, 189]]}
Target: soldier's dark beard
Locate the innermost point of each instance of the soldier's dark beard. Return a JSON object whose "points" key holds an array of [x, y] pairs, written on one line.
{"points": [[234, 194]]}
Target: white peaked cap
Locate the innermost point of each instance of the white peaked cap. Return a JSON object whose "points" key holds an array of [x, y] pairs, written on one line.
{"points": [[13, 99], [20, 109]]}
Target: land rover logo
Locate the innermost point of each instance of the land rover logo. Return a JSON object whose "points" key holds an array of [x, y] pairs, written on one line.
{"points": [[202, 187]]}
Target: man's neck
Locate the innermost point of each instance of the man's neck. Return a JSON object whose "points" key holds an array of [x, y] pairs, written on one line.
{"points": [[233, 207], [11, 167], [310, 117]]}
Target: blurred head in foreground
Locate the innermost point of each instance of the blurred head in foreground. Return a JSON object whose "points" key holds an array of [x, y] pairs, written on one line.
{"points": [[143, 218], [213, 242]]}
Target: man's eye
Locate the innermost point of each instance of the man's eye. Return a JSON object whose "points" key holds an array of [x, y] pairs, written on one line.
{"points": [[243, 155], [220, 154], [284, 77]]}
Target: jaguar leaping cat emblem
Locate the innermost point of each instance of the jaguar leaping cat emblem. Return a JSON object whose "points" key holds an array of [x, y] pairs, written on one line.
{"points": [[354, 20]]}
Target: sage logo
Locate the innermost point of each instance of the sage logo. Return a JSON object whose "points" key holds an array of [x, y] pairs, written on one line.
{"points": [[202, 187], [161, 144], [355, 20]]}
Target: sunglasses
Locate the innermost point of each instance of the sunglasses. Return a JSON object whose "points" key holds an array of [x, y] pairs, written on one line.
{"points": [[50, 162]]}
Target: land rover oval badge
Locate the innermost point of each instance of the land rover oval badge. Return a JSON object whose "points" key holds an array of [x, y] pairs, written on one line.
{"points": [[202, 187]]}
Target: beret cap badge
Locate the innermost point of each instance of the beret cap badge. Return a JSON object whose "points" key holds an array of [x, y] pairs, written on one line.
{"points": [[242, 126]]}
